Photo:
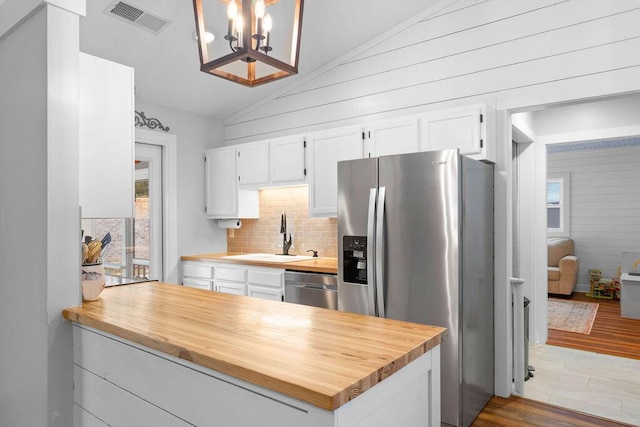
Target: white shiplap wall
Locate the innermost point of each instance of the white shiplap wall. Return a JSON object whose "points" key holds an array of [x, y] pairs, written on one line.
{"points": [[605, 205], [503, 52]]}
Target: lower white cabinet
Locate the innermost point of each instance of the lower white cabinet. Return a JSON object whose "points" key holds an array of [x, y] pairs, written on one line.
{"points": [[237, 279], [264, 292], [121, 383], [197, 274]]}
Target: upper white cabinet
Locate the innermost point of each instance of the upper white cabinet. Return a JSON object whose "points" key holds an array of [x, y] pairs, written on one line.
{"points": [[288, 160], [106, 134], [463, 128], [253, 164], [326, 150], [396, 136], [223, 199]]}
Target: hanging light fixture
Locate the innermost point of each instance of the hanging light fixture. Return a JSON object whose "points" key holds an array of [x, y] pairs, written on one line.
{"points": [[256, 41]]}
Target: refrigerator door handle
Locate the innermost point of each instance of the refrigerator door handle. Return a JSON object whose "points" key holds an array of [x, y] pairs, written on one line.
{"points": [[371, 272], [379, 257]]}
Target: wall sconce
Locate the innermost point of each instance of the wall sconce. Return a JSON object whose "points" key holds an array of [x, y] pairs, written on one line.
{"points": [[256, 41]]}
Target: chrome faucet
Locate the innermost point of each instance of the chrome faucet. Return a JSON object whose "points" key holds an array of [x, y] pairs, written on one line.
{"points": [[286, 244]]}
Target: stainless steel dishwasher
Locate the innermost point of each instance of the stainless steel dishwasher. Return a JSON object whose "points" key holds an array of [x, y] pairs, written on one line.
{"points": [[316, 289]]}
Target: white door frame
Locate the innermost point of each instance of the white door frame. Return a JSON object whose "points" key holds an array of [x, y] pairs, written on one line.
{"points": [[168, 142], [152, 154]]}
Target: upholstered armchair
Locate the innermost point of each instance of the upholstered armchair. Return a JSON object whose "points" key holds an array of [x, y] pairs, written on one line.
{"points": [[562, 270]]}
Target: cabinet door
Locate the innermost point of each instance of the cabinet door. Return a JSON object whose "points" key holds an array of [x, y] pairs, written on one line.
{"points": [[106, 134], [288, 160], [327, 149], [197, 269], [460, 128], [273, 294], [253, 163], [235, 288], [261, 277], [221, 191], [396, 136]]}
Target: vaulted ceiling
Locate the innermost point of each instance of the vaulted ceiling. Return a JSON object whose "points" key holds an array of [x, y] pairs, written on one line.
{"points": [[167, 67]]}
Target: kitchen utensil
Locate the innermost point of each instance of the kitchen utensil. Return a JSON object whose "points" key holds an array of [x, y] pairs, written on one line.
{"points": [[93, 252], [104, 253], [85, 252], [106, 239]]}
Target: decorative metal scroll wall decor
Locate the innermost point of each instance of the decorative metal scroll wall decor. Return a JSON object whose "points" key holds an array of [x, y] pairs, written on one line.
{"points": [[152, 123]]}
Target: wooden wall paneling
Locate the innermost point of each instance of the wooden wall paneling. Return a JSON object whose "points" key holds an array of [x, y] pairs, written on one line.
{"points": [[542, 32], [548, 69], [569, 38], [82, 418], [541, 48], [604, 205], [476, 33], [443, 25]]}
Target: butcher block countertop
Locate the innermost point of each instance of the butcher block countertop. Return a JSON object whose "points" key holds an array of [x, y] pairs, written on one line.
{"points": [[319, 356], [316, 265]]}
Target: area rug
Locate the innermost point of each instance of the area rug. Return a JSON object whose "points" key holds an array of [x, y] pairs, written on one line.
{"points": [[571, 316]]}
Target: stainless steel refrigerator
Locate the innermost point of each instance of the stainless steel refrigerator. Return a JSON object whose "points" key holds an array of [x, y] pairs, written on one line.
{"points": [[416, 243]]}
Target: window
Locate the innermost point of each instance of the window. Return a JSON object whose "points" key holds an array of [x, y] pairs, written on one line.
{"points": [[558, 198]]}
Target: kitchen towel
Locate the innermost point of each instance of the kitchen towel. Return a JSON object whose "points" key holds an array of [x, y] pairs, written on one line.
{"points": [[229, 223]]}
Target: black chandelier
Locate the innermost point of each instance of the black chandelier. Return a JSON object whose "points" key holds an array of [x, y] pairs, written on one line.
{"points": [[261, 42]]}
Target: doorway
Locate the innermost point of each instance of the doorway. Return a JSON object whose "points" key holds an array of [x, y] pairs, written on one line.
{"points": [[571, 378]]}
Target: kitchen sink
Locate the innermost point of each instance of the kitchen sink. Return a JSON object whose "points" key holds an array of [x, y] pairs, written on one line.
{"points": [[268, 258]]}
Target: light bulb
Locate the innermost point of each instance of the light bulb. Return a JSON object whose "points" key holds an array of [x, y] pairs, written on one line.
{"points": [[268, 23], [239, 24], [232, 10], [260, 9]]}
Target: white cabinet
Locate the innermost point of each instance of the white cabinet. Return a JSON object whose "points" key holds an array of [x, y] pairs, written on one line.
{"points": [[252, 164], [326, 150], [138, 385], [231, 280], [237, 279], [288, 160], [223, 199], [264, 293], [196, 274], [106, 136], [265, 283], [468, 129], [396, 136]]}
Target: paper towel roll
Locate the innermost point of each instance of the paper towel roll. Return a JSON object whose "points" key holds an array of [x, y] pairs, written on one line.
{"points": [[229, 223]]}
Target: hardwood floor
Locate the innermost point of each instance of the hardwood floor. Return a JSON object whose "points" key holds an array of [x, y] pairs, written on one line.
{"points": [[516, 411], [611, 334]]}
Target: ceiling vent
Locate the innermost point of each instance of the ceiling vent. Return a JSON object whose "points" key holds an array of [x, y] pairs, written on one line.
{"points": [[137, 16]]}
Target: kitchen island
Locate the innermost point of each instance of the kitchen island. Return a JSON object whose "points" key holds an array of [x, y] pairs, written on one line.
{"points": [[169, 355]]}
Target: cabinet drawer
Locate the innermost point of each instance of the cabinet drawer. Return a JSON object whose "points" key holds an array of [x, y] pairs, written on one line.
{"points": [[264, 293], [233, 274], [234, 288], [265, 278], [197, 270], [198, 283]]}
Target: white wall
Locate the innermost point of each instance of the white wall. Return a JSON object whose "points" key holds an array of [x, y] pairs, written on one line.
{"points": [[194, 135], [39, 214], [605, 205], [509, 54]]}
